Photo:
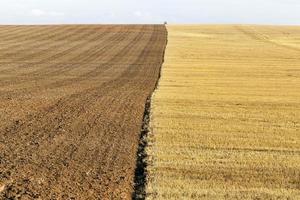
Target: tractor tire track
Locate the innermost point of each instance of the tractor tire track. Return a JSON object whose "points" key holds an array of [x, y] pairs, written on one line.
{"points": [[261, 37]]}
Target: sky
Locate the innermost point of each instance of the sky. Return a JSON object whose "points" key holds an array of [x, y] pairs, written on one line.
{"points": [[150, 11]]}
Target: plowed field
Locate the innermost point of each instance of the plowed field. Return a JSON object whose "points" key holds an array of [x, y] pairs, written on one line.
{"points": [[71, 106]]}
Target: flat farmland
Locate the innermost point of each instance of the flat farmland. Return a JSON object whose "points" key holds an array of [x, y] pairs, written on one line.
{"points": [[225, 119], [72, 100]]}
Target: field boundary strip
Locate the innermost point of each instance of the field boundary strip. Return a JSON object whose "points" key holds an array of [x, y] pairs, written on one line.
{"points": [[141, 174]]}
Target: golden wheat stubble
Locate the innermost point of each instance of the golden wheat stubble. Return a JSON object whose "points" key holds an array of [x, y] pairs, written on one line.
{"points": [[225, 119]]}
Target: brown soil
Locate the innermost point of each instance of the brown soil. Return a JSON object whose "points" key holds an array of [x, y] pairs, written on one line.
{"points": [[72, 100]]}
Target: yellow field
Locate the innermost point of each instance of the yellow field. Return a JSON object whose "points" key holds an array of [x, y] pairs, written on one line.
{"points": [[225, 120]]}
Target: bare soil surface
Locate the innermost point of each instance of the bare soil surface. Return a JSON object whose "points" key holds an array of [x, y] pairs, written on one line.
{"points": [[72, 100]]}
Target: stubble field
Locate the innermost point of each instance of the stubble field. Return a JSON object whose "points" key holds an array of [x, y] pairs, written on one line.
{"points": [[225, 120], [71, 106]]}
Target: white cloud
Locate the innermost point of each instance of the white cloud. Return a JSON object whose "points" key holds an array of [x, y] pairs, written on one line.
{"points": [[154, 11], [53, 13], [144, 16], [39, 13], [138, 13]]}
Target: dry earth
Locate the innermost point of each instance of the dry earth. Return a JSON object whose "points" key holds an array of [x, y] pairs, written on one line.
{"points": [[71, 105]]}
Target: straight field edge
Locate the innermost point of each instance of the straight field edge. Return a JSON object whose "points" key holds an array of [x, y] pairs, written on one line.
{"points": [[144, 159]]}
